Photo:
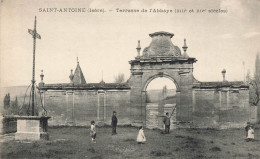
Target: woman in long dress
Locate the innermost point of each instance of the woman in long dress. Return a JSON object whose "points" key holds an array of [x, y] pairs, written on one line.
{"points": [[140, 137], [250, 136]]}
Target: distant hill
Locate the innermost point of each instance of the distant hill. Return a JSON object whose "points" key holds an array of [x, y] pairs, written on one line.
{"points": [[14, 91], [155, 95]]}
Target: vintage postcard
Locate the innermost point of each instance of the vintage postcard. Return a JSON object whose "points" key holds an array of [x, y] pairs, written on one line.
{"points": [[129, 79]]}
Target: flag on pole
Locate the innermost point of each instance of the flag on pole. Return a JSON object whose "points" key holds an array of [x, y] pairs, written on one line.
{"points": [[32, 33], [38, 36]]}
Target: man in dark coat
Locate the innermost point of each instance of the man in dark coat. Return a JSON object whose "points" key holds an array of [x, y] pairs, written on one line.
{"points": [[167, 122], [114, 123]]}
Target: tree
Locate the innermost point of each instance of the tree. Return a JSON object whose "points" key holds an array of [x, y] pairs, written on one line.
{"points": [[120, 78], [255, 82], [24, 109], [14, 106], [7, 101], [164, 92], [248, 77]]}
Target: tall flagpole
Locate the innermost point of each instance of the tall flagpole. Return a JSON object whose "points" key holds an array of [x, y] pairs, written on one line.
{"points": [[34, 35], [33, 71]]}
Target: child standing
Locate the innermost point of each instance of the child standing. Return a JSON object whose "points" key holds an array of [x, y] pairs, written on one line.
{"points": [[247, 128], [140, 137], [93, 132], [250, 136]]}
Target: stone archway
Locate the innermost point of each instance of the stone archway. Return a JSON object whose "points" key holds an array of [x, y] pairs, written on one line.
{"points": [[161, 74], [160, 98], [161, 59]]}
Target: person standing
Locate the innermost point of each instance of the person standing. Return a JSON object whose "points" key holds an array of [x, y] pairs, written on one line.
{"points": [[114, 123], [93, 133], [167, 122], [250, 136], [247, 128], [140, 137]]}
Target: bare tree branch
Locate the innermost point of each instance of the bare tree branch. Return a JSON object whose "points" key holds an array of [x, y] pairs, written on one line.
{"points": [[120, 78]]}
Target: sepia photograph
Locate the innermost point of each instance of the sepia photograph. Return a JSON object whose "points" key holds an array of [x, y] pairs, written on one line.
{"points": [[135, 79]]}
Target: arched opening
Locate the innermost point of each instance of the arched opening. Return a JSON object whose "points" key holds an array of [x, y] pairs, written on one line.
{"points": [[160, 98]]}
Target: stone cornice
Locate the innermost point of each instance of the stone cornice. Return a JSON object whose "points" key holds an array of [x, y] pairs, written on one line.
{"points": [[89, 86], [161, 33], [216, 85], [163, 60]]}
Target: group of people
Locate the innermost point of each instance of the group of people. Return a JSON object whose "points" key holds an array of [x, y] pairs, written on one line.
{"points": [[140, 137], [167, 122], [93, 133]]}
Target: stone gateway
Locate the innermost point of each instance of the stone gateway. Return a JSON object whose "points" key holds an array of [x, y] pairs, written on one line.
{"points": [[198, 104]]}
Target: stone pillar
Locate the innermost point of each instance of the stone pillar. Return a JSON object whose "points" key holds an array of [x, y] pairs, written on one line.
{"points": [[143, 107], [193, 100], [73, 108], [220, 105], [136, 98], [184, 111], [67, 107], [105, 111], [42, 100], [178, 104], [97, 106], [186, 105], [193, 103], [228, 95], [101, 105], [70, 108]]}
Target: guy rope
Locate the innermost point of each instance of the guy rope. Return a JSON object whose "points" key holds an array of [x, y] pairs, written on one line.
{"points": [[173, 109]]}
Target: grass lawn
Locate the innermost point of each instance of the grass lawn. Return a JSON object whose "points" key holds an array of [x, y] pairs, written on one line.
{"points": [[74, 142]]}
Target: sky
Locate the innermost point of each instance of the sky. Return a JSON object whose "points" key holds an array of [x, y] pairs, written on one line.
{"points": [[106, 42]]}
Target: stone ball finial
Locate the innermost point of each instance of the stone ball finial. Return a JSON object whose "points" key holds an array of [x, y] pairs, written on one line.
{"points": [[185, 47], [224, 74], [42, 75], [71, 76], [138, 48]]}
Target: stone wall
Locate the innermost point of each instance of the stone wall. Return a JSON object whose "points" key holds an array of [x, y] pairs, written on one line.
{"points": [[222, 108], [79, 107], [8, 124], [215, 108]]}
